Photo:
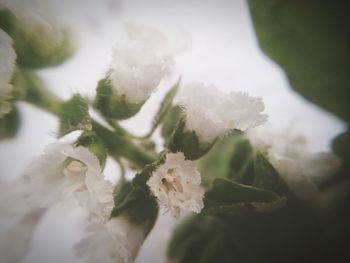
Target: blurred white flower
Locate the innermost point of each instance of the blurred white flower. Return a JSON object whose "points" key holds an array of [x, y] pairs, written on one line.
{"points": [[7, 66], [176, 184], [63, 172], [212, 114], [115, 241], [290, 156], [138, 67]]}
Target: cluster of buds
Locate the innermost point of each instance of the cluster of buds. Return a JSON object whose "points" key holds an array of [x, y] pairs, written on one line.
{"points": [[203, 115]]}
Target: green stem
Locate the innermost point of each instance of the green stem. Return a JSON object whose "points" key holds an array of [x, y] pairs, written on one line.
{"points": [[116, 143], [121, 146]]}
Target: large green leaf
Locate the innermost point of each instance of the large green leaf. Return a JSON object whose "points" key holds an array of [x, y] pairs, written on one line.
{"points": [[225, 158], [266, 177], [310, 40], [229, 197]]}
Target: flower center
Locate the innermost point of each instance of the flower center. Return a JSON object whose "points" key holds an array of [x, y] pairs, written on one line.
{"points": [[74, 168], [171, 183]]}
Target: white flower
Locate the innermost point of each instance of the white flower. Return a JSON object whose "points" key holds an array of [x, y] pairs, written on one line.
{"points": [[290, 156], [212, 114], [176, 184], [138, 67], [63, 172], [115, 241], [7, 66]]}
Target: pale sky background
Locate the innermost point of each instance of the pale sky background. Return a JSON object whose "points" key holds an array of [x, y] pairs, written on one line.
{"points": [[223, 52]]}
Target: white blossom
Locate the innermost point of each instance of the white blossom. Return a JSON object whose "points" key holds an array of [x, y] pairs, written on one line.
{"points": [[212, 114], [138, 67], [115, 241], [7, 66], [176, 184], [63, 172], [290, 156]]}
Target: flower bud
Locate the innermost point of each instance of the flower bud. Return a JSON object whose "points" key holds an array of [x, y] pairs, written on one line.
{"points": [[135, 72], [38, 42], [209, 114], [112, 104]]}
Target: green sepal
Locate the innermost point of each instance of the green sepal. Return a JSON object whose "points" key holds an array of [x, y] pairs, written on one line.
{"points": [[74, 115], [113, 105], [170, 122], [229, 197], [9, 124], [6, 20], [90, 140], [164, 107], [188, 143], [135, 199]]}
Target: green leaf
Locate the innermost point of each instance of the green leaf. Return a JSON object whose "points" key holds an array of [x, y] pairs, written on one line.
{"points": [[225, 160], [113, 105], [74, 115], [290, 234], [205, 239], [341, 147], [227, 196], [135, 199], [242, 162], [164, 108], [266, 177], [310, 41], [9, 124]]}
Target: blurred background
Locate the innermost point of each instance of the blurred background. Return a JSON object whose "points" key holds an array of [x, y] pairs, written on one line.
{"points": [[222, 50]]}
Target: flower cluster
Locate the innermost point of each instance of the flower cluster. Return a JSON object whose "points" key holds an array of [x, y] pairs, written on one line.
{"points": [[119, 218]]}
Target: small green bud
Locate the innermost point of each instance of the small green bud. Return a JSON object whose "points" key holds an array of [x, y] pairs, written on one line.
{"points": [[74, 115], [111, 104], [188, 143], [39, 43], [6, 20], [90, 140]]}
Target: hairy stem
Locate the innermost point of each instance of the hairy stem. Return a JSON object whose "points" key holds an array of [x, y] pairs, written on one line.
{"points": [[117, 144]]}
